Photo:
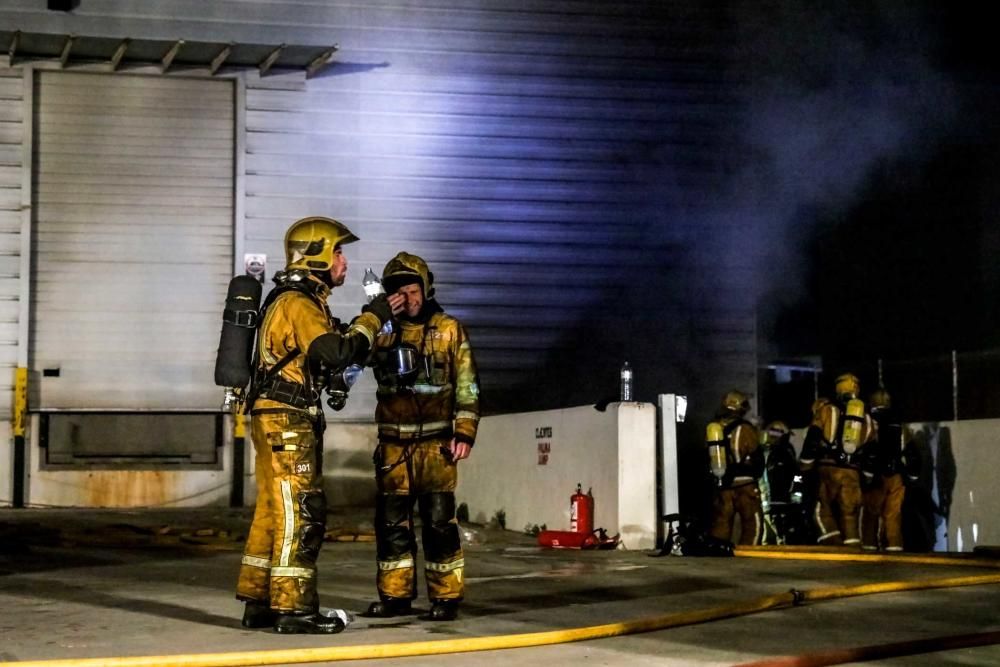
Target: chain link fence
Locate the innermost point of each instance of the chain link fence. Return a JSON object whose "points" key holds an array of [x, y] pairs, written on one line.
{"points": [[945, 387]]}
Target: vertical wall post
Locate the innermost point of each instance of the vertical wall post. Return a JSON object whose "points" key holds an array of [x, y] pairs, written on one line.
{"points": [[19, 428], [669, 502], [954, 384], [20, 403]]}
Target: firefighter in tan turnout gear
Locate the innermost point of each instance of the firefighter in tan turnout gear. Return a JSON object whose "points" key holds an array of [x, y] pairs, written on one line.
{"points": [[298, 342], [737, 462], [427, 415], [883, 466], [833, 443]]}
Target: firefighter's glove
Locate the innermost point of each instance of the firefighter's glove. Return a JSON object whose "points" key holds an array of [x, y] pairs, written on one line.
{"points": [[380, 308]]}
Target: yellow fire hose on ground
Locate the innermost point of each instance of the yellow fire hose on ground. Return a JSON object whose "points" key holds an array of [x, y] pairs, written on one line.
{"points": [[661, 622]]}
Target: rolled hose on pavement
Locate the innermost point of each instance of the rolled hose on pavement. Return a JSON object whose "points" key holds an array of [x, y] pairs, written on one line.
{"points": [[492, 643]]}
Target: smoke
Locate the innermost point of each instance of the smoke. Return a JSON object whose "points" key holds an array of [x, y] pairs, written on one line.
{"points": [[778, 128], [832, 93]]}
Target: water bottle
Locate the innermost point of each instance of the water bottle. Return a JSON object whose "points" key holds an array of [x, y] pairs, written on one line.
{"points": [[626, 382], [373, 288], [371, 283]]}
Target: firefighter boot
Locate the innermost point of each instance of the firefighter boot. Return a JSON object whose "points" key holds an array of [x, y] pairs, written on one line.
{"points": [[388, 607], [258, 615], [308, 624], [444, 610]]}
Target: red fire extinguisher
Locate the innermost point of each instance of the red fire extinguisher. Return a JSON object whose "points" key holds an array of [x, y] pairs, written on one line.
{"points": [[581, 511], [581, 533]]}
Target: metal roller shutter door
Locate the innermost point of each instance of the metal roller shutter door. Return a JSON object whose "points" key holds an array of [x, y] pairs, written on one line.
{"points": [[133, 239]]}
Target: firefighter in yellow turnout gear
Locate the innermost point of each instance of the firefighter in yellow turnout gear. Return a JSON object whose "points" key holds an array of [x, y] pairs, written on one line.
{"points": [[833, 443], [427, 416], [737, 462], [298, 340]]}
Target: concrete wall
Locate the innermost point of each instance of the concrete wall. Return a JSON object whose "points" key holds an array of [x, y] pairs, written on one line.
{"points": [[98, 487], [962, 482], [528, 465], [611, 452]]}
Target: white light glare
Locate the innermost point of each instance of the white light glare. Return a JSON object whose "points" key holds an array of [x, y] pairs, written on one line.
{"points": [[680, 407]]}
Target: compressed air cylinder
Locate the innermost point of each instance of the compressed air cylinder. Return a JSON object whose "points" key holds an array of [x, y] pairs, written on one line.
{"points": [[716, 441], [239, 326], [854, 421]]}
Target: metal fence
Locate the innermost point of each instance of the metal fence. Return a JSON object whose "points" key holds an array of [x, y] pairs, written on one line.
{"points": [[945, 387]]}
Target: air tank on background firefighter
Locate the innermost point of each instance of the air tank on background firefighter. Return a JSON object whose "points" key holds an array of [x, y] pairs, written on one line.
{"points": [[581, 511], [236, 342], [715, 439], [854, 422]]}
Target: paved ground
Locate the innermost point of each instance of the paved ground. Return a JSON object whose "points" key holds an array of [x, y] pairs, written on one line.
{"points": [[76, 584]]}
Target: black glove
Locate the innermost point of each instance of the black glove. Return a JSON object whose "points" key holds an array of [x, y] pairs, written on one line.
{"points": [[379, 307]]}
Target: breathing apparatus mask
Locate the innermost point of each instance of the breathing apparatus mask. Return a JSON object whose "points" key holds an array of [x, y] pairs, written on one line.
{"points": [[338, 385], [400, 365]]}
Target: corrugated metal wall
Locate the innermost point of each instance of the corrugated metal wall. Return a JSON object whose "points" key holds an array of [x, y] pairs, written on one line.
{"points": [[11, 179], [11, 159], [556, 164], [541, 160], [132, 238]]}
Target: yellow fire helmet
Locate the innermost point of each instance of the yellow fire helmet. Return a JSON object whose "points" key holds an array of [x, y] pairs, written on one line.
{"points": [[847, 386], [310, 242], [774, 432], [404, 269], [735, 402], [880, 399]]}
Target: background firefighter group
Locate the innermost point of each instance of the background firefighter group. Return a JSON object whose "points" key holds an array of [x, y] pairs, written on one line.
{"points": [[847, 487]]}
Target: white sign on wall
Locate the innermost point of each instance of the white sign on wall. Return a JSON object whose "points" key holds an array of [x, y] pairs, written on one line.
{"points": [[255, 266], [543, 434]]}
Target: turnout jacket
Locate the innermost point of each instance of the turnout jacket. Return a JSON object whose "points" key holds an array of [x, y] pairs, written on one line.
{"points": [[444, 399], [744, 456], [824, 439], [299, 323]]}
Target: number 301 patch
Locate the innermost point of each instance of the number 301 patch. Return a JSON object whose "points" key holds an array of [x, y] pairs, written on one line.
{"points": [[301, 468]]}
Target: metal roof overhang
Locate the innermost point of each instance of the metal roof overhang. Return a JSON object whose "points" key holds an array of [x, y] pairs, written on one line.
{"points": [[118, 52]]}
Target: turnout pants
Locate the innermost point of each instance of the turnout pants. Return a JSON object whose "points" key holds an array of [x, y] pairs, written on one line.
{"points": [[743, 500], [289, 522], [838, 505], [882, 515], [408, 475]]}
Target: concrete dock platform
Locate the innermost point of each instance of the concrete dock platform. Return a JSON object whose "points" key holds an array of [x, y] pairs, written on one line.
{"points": [[78, 584]]}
